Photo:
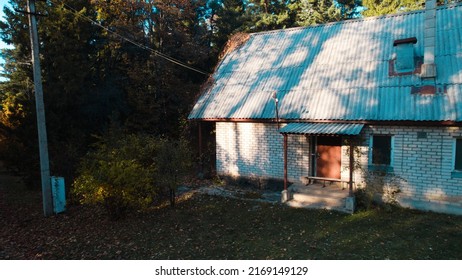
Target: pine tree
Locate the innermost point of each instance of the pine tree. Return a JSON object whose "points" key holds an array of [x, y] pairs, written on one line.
{"points": [[67, 47], [349, 8], [268, 15], [230, 17], [310, 12], [157, 91], [377, 8]]}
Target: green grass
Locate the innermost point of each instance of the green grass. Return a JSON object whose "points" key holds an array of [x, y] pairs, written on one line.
{"points": [[209, 227]]}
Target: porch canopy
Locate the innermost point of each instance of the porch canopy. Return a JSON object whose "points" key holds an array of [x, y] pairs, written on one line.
{"points": [[322, 128], [333, 129]]}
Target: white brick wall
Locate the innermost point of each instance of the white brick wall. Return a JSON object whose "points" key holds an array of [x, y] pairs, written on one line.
{"points": [[360, 158], [256, 149], [424, 164]]}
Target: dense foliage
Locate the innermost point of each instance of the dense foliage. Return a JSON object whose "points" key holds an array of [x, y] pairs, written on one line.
{"points": [[384, 7], [119, 173], [131, 172]]}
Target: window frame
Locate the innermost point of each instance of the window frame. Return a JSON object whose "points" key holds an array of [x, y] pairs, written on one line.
{"points": [[456, 173], [381, 167]]}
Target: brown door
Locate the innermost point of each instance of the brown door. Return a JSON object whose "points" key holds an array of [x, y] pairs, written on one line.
{"points": [[329, 157]]}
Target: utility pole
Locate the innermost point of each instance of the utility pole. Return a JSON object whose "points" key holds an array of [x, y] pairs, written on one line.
{"points": [[40, 108]]}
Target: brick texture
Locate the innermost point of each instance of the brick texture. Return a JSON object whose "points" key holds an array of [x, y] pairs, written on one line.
{"points": [[422, 157], [256, 149], [424, 165]]}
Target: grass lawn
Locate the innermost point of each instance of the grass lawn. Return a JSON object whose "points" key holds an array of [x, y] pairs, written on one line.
{"points": [[211, 227]]}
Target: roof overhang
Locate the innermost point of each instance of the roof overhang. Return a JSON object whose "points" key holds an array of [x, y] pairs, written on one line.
{"points": [[322, 129], [417, 123]]}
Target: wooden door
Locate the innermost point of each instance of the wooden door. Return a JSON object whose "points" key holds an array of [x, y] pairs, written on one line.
{"points": [[328, 157]]}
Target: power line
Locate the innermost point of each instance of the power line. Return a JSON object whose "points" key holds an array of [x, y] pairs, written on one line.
{"points": [[141, 46]]}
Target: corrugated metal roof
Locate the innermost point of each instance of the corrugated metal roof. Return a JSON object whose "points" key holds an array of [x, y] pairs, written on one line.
{"points": [[338, 71], [322, 128]]}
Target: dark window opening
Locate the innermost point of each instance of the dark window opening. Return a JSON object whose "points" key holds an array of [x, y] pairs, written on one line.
{"points": [[381, 150], [458, 155]]}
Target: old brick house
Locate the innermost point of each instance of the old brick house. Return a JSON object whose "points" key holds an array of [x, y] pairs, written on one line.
{"points": [[390, 86]]}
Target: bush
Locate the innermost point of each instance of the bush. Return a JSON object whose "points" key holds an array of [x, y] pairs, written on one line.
{"points": [[363, 199], [381, 190], [119, 173], [131, 172], [119, 185]]}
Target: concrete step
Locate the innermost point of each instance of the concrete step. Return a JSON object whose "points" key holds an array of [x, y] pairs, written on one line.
{"points": [[318, 199], [309, 205], [319, 191], [316, 196]]}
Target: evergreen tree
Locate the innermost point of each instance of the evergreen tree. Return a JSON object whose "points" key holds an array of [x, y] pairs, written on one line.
{"points": [[376, 8], [231, 17], [67, 47], [268, 15], [310, 12], [349, 8], [92, 75]]}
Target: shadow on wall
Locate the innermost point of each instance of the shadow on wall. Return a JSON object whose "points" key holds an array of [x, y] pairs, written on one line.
{"points": [[255, 150], [249, 149]]}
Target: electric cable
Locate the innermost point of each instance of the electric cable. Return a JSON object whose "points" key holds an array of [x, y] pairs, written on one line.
{"points": [[155, 52]]}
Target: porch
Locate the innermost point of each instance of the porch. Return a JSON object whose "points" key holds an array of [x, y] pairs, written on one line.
{"points": [[329, 190]]}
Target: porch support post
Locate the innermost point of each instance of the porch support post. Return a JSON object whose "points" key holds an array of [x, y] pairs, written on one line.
{"points": [[285, 196], [285, 162], [352, 162]]}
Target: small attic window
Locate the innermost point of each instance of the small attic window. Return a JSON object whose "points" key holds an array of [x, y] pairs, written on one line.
{"points": [[405, 57]]}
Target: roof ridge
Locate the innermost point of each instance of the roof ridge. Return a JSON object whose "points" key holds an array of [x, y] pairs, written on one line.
{"points": [[347, 21]]}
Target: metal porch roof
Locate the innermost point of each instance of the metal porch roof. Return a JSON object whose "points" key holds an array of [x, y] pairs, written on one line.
{"points": [[322, 128]]}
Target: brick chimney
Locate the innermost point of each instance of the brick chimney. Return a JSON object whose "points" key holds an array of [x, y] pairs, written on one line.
{"points": [[429, 66]]}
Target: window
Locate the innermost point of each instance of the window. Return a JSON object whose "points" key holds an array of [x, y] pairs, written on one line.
{"points": [[458, 155], [381, 150]]}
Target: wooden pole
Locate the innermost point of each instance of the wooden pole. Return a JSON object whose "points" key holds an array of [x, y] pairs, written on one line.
{"points": [[285, 162], [40, 107]]}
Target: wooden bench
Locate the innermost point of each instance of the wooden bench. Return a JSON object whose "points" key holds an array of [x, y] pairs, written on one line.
{"points": [[324, 180]]}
